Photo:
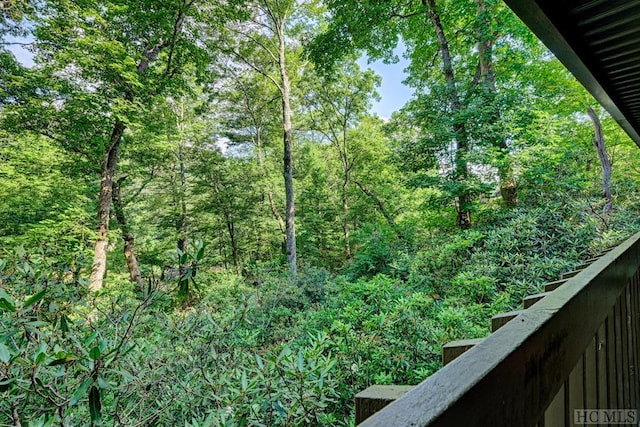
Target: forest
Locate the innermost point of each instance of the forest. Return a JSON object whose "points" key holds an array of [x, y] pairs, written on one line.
{"points": [[203, 223]]}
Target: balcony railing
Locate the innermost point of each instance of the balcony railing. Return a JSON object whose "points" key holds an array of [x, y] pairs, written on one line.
{"points": [[574, 348]]}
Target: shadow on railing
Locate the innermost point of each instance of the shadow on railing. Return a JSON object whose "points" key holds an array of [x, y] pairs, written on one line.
{"points": [[569, 358]]}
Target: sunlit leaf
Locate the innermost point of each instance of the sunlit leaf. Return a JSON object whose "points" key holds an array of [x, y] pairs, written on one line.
{"points": [[5, 356], [80, 392], [34, 299]]}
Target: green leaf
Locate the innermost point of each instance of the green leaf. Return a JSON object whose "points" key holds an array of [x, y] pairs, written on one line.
{"points": [[95, 353], [102, 383], [80, 392], [300, 361], [128, 349], [126, 375], [209, 421], [62, 360], [281, 411], [95, 406], [37, 323], [7, 336], [41, 353], [5, 356], [200, 252], [243, 380], [64, 326], [6, 302], [90, 339], [34, 299]]}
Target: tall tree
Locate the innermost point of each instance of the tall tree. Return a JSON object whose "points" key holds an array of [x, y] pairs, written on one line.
{"points": [[448, 104], [265, 45], [98, 65], [377, 27], [605, 162], [459, 126], [486, 34], [336, 105], [251, 118], [129, 240]]}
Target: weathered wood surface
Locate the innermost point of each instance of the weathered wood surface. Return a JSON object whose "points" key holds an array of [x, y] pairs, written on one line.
{"points": [[532, 299], [454, 349], [570, 274], [514, 375], [499, 320], [552, 286], [376, 397]]}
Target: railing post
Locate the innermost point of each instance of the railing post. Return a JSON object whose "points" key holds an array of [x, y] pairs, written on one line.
{"points": [[376, 397]]}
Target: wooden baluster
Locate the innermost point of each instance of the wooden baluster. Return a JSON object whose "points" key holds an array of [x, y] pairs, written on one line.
{"points": [[590, 376], [554, 416], [575, 389], [601, 367], [612, 388]]}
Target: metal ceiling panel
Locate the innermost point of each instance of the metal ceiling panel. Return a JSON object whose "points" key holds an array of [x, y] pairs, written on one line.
{"points": [[599, 42]]}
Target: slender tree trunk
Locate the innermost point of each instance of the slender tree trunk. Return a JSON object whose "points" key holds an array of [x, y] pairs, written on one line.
{"points": [[508, 186], [345, 217], [228, 219], [598, 141], [108, 169], [288, 155], [381, 207], [232, 237], [346, 169], [462, 144], [269, 193], [15, 416], [272, 204], [182, 223], [127, 236]]}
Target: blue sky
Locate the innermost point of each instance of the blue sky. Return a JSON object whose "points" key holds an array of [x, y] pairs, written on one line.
{"points": [[21, 54], [393, 93]]}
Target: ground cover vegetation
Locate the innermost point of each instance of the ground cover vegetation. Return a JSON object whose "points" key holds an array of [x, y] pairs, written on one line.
{"points": [[202, 223]]}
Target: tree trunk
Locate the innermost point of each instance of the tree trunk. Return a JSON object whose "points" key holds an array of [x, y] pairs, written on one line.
{"points": [[127, 236], [346, 168], [345, 218], [15, 416], [508, 186], [288, 155], [110, 161], [232, 237], [381, 206], [182, 216], [228, 219], [598, 141], [269, 193], [463, 202], [107, 172]]}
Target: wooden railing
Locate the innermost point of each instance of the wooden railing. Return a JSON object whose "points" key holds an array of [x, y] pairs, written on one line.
{"points": [[574, 348]]}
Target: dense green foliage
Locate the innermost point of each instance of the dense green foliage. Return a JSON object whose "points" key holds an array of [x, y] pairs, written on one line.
{"points": [[274, 353], [215, 330]]}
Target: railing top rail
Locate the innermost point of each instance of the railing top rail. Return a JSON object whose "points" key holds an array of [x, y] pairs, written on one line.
{"points": [[511, 377]]}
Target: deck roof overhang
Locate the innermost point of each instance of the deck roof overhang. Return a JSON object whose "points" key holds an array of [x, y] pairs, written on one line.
{"points": [[599, 42]]}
